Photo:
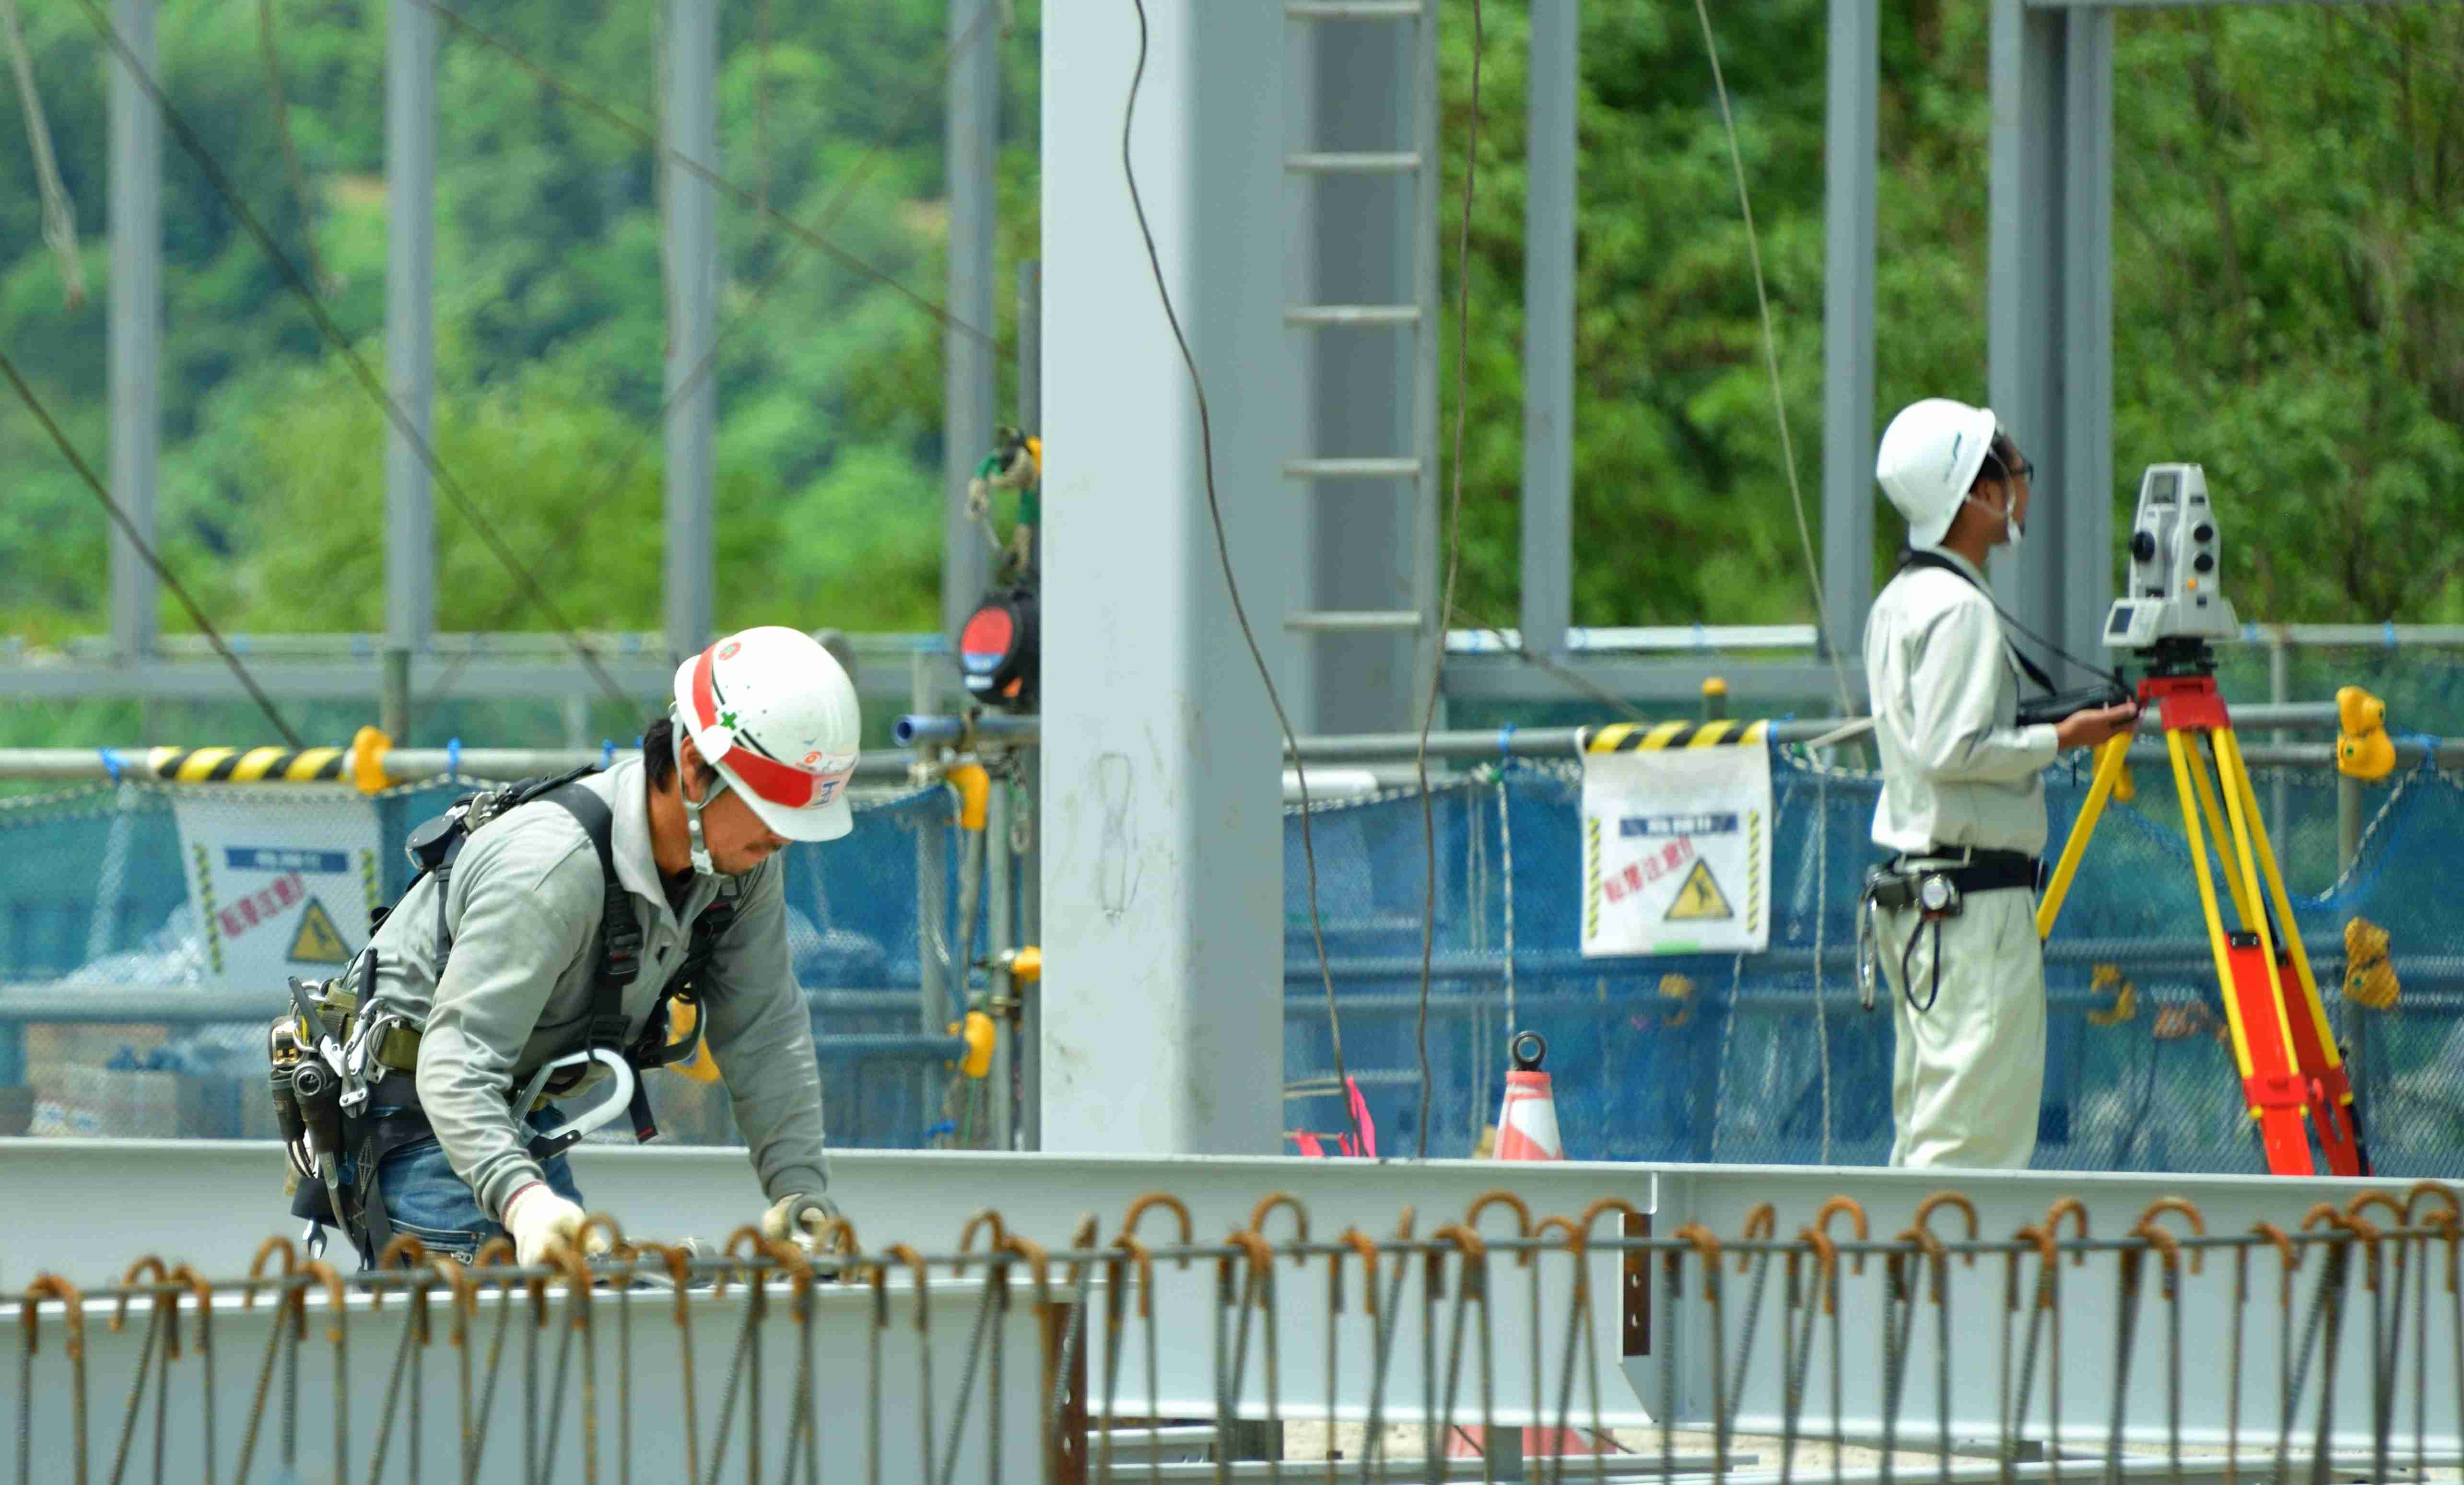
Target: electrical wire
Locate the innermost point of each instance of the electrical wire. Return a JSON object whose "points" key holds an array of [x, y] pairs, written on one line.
{"points": [[840, 201], [742, 195], [341, 343], [290, 149], [128, 529], [59, 213], [1454, 560], [1232, 586], [1770, 362]]}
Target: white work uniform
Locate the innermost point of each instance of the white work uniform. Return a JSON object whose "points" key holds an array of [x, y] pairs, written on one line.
{"points": [[1958, 771]]}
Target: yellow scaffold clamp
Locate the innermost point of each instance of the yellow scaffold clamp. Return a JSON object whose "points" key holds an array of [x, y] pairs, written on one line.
{"points": [[2370, 975], [2363, 750], [369, 746], [2125, 997], [977, 1033]]}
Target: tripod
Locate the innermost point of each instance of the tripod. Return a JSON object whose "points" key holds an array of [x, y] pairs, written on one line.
{"points": [[2293, 1078]]}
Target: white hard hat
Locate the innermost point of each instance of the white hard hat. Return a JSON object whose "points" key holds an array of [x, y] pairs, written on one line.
{"points": [[773, 713], [1928, 460]]}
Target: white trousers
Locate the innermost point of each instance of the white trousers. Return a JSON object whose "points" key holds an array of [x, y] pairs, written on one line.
{"points": [[1970, 1068]]}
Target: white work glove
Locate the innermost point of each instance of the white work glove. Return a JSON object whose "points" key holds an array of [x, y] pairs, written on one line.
{"points": [[538, 1219], [796, 1218]]}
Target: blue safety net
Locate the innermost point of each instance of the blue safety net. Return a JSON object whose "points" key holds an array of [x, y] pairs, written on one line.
{"points": [[97, 935], [1763, 1057], [1769, 1058]]}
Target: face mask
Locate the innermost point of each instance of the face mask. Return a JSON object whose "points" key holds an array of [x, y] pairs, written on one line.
{"points": [[2010, 528]]}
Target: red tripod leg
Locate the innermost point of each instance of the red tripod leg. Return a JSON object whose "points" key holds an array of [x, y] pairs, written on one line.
{"points": [[2277, 1091], [2326, 1088]]}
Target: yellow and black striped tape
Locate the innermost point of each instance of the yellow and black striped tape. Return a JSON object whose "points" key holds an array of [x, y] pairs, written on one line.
{"points": [[1642, 736], [248, 765], [1591, 877]]}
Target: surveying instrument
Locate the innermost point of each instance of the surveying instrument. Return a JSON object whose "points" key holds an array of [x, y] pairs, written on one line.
{"points": [[2291, 1075]]}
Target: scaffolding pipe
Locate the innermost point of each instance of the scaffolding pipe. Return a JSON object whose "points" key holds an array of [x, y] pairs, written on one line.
{"points": [[1525, 742]]}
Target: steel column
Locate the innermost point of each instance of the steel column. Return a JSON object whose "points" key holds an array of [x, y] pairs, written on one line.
{"points": [[971, 145], [410, 331], [135, 348], [693, 277], [2051, 311], [1850, 173], [1549, 241], [1163, 871]]}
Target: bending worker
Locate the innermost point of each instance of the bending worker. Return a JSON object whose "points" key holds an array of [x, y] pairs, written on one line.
{"points": [[755, 752], [1963, 800]]}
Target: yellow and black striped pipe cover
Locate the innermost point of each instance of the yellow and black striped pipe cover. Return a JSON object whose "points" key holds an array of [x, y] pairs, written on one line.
{"points": [[1643, 736], [249, 765]]}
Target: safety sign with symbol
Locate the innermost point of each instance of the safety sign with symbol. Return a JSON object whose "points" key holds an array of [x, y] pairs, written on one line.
{"points": [[317, 941], [1675, 842], [1699, 898], [277, 891]]}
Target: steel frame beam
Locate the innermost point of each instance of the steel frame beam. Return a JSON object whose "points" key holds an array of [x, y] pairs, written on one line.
{"points": [[668, 1193]]}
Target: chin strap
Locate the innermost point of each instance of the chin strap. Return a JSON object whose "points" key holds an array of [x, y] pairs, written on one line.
{"points": [[717, 785]]}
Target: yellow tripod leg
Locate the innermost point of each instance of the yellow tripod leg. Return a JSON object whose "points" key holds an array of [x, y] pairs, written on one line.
{"points": [[2109, 764], [2275, 892], [2186, 794], [2245, 902], [2245, 861]]}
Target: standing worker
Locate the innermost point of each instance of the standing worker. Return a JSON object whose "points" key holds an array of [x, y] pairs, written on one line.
{"points": [[1963, 800], [552, 936]]}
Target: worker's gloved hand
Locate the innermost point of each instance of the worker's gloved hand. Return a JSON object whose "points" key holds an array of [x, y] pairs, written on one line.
{"points": [[538, 1219], [796, 1218]]}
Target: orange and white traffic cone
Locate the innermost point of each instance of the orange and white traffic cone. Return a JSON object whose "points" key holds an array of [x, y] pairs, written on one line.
{"points": [[1527, 1129], [1527, 1122]]}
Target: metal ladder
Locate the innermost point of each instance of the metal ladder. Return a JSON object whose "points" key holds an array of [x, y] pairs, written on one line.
{"points": [[1411, 470]]}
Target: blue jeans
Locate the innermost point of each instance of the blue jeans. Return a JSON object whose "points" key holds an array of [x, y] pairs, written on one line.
{"points": [[426, 1199]]}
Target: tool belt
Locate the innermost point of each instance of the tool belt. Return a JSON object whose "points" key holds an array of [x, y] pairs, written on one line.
{"points": [[1967, 871], [1937, 882]]}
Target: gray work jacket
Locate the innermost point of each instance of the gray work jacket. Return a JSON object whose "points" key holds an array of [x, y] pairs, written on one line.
{"points": [[522, 912], [1957, 769]]}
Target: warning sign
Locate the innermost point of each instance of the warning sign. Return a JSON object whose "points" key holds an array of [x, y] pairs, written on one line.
{"points": [[317, 941], [1676, 847], [1699, 898], [281, 877]]}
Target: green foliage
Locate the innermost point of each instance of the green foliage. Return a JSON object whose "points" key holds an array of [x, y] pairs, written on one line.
{"points": [[2288, 241], [2289, 276], [551, 316]]}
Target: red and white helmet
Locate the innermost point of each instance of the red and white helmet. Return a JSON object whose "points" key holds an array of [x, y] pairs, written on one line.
{"points": [[777, 716]]}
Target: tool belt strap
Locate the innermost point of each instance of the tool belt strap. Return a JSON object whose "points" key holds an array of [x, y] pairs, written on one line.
{"points": [[1974, 872]]}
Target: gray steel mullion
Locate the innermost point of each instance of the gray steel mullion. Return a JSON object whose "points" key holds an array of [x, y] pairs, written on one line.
{"points": [[2080, 489], [691, 265], [135, 327], [1550, 215], [410, 328], [1848, 324], [971, 123], [1427, 287]]}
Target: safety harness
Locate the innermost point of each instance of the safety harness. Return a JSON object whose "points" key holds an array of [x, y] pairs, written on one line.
{"points": [[374, 1043]]}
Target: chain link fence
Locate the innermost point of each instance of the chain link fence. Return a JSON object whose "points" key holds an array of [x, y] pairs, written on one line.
{"points": [[1754, 1058]]}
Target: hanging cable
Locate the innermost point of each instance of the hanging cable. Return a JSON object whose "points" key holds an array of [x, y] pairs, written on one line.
{"points": [[317, 271], [1770, 362], [1454, 559], [128, 529], [742, 195], [341, 344], [1232, 587], [59, 213], [561, 546]]}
